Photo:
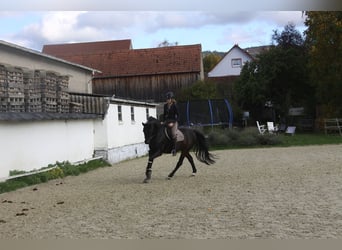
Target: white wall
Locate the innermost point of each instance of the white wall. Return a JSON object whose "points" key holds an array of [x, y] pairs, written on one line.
{"points": [[120, 140], [36, 144], [224, 67], [30, 145]]}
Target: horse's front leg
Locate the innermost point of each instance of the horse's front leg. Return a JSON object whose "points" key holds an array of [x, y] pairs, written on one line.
{"points": [[148, 172]]}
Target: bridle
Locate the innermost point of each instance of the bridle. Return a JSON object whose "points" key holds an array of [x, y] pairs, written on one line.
{"points": [[153, 135]]}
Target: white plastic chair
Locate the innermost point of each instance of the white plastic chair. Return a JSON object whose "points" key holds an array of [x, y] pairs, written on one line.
{"points": [[290, 130], [271, 128], [262, 128]]}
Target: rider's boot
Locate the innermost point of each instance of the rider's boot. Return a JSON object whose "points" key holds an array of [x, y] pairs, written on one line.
{"points": [[174, 150]]}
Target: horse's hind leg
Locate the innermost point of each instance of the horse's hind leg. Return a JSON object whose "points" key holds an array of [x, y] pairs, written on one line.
{"points": [[179, 163], [191, 160]]}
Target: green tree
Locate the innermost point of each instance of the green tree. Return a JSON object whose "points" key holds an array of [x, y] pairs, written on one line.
{"points": [[278, 75], [324, 39], [210, 61], [199, 90]]}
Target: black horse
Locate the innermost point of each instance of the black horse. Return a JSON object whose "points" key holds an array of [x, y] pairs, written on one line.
{"points": [[157, 136]]}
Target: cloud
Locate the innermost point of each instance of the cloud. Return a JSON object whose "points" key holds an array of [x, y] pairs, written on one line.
{"points": [[281, 18], [78, 26], [56, 27]]}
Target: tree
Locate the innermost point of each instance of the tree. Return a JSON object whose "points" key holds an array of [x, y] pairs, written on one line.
{"points": [[210, 61], [324, 40], [278, 75], [166, 43], [289, 37], [199, 90]]}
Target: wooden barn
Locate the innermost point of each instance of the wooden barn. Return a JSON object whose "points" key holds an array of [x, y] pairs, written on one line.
{"points": [[140, 74]]}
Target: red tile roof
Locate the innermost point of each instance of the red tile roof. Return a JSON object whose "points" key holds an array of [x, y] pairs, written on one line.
{"points": [[163, 60], [86, 48]]}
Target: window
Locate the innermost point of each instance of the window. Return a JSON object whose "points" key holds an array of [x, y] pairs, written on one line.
{"points": [[147, 113], [120, 113], [132, 114], [236, 62]]}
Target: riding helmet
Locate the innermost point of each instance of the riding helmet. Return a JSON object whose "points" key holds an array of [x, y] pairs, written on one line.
{"points": [[169, 95]]}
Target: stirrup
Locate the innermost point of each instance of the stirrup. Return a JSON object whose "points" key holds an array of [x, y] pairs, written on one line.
{"points": [[173, 152]]}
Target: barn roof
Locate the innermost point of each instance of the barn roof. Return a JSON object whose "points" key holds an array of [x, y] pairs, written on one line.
{"points": [[72, 49], [151, 61], [254, 51]]}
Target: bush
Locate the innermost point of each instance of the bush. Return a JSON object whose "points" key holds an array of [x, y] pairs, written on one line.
{"points": [[268, 139], [248, 137], [217, 139]]}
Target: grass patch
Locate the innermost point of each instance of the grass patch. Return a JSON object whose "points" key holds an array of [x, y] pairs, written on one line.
{"points": [[304, 139], [250, 137], [59, 170]]}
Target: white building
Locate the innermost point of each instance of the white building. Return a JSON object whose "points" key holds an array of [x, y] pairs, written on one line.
{"points": [[27, 59], [33, 140], [233, 61]]}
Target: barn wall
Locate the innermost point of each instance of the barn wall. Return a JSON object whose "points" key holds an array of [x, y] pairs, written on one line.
{"points": [[35, 144], [151, 87]]}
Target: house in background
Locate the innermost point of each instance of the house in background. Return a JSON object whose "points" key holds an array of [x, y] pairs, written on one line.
{"points": [[140, 74], [233, 61], [229, 67]]}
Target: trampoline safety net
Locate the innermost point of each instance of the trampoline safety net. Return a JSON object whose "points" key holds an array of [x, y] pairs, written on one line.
{"points": [[205, 113]]}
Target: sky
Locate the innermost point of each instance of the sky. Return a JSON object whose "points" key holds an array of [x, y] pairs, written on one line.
{"points": [[217, 29]]}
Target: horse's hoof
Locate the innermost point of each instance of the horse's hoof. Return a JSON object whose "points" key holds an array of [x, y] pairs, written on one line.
{"points": [[193, 175], [169, 178], [147, 181]]}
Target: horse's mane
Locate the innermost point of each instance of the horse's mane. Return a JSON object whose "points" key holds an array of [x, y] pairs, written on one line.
{"points": [[151, 119]]}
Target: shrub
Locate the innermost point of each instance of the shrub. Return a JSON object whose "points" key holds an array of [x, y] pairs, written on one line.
{"points": [[268, 139], [248, 137], [217, 139]]}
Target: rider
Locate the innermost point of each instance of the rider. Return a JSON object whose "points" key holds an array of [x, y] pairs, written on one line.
{"points": [[171, 120]]}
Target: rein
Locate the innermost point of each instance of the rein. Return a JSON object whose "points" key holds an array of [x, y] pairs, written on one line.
{"points": [[166, 134]]}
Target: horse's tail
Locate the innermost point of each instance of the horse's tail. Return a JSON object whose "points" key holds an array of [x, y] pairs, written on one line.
{"points": [[202, 150]]}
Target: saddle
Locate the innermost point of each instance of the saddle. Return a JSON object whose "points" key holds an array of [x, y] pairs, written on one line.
{"points": [[168, 132]]}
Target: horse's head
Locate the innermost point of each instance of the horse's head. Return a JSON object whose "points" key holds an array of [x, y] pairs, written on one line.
{"points": [[150, 129]]}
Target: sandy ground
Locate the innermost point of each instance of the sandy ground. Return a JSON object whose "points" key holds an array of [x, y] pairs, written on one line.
{"points": [[275, 193]]}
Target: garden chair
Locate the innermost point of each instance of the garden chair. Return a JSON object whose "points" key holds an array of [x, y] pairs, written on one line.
{"points": [[272, 128], [262, 128], [290, 130]]}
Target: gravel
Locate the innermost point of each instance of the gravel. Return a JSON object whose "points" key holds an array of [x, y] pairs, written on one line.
{"points": [[266, 193]]}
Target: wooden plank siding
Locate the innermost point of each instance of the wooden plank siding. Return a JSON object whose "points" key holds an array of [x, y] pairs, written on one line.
{"points": [[88, 104], [144, 87]]}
